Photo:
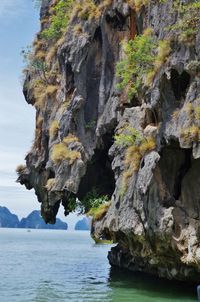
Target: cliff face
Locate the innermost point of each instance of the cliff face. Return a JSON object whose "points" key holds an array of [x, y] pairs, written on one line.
{"points": [[151, 170]]}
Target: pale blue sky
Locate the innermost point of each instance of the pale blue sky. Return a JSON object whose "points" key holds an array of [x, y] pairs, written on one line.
{"points": [[18, 26]]}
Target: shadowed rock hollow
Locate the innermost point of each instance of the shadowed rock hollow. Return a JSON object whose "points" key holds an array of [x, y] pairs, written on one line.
{"points": [[154, 186]]}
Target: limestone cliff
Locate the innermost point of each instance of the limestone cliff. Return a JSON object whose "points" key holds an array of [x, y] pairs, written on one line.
{"points": [[134, 134]]}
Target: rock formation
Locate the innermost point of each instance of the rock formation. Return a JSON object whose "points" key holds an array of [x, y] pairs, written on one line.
{"points": [[7, 219], [82, 225], [34, 221], [133, 133]]}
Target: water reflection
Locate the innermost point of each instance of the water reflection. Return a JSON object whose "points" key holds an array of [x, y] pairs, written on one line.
{"points": [[48, 266], [47, 291], [129, 286]]}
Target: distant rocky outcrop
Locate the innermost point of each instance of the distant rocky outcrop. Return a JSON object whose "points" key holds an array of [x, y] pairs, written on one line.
{"points": [[35, 221], [32, 221], [83, 225], [7, 219]]}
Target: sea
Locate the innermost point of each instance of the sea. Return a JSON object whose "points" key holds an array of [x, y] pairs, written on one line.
{"points": [[54, 265]]}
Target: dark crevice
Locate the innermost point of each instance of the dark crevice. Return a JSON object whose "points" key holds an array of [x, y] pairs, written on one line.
{"points": [[142, 164], [93, 72], [99, 174], [134, 102], [45, 142], [69, 78], [117, 21], [98, 35], [51, 174], [181, 173], [179, 83], [174, 164], [152, 116], [117, 205]]}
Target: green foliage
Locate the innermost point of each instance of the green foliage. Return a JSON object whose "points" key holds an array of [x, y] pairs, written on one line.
{"points": [[34, 64], [27, 54], [90, 203], [138, 61], [59, 20], [197, 113], [189, 20], [90, 125], [99, 212], [136, 146], [129, 137], [92, 200], [71, 205]]}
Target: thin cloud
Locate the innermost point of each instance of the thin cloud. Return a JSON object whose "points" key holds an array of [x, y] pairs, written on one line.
{"points": [[11, 8]]}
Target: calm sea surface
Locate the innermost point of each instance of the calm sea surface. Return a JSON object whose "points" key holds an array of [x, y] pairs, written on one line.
{"points": [[51, 266]]}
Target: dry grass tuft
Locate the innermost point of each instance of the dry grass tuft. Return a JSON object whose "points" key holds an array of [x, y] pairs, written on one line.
{"points": [[191, 134], [20, 169], [50, 183], [133, 156], [100, 212], [60, 152], [147, 145], [70, 139], [53, 129], [197, 113], [42, 92], [51, 53], [78, 29], [40, 54], [86, 10], [164, 50], [175, 114], [51, 90], [39, 93]]}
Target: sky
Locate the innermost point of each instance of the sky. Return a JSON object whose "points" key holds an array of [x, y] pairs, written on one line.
{"points": [[19, 22]]}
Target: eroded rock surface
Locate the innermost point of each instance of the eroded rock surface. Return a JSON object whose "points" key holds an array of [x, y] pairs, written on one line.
{"points": [[156, 220]]}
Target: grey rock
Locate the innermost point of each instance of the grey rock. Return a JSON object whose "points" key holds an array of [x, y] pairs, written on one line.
{"points": [[156, 221]]}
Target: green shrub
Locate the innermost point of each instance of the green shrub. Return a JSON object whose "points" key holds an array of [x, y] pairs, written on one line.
{"points": [[35, 64], [129, 136], [99, 212], [71, 205], [91, 124], [189, 20], [92, 200], [136, 147], [138, 61], [59, 20], [197, 113], [93, 204]]}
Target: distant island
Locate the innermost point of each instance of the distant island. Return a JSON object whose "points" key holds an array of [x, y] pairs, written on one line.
{"points": [[83, 225], [7, 219], [32, 221]]}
